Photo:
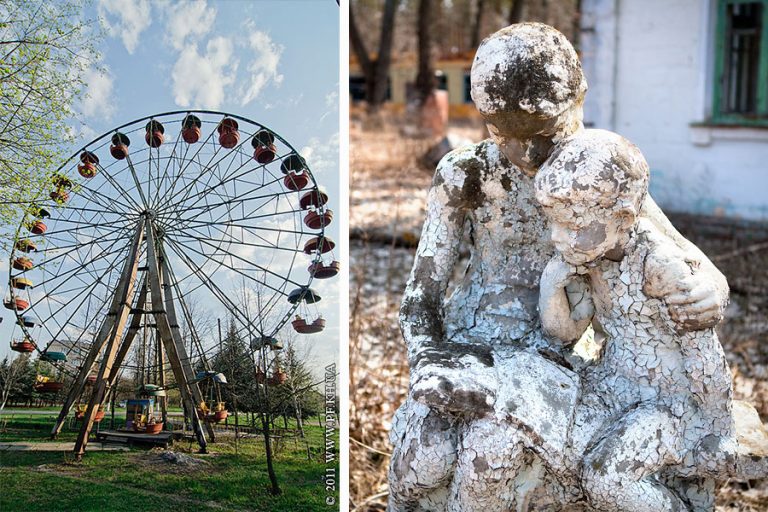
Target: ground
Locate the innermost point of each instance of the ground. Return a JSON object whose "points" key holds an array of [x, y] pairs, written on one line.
{"points": [[388, 189], [141, 479]]}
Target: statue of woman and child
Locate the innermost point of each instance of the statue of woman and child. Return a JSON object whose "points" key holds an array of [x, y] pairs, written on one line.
{"points": [[575, 365]]}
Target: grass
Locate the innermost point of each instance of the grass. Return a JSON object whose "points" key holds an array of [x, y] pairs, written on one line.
{"points": [[140, 480]]}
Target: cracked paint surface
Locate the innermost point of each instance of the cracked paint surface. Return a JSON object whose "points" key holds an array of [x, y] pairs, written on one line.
{"points": [[665, 390], [502, 415]]}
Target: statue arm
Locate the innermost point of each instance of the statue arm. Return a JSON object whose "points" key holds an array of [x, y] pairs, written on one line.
{"points": [[559, 317], [421, 311], [664, 260], [696, 300]]}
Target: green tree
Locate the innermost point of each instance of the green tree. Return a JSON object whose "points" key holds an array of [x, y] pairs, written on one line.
{"points": [[17, 377], [46, 46], [234, 361]]}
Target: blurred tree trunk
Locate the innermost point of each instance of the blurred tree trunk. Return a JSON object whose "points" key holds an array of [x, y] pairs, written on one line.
{"points": [[477, 26], [376, 71], [425, 79], [516, 11]]}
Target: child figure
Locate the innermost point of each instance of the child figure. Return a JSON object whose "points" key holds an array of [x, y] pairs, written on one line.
{"points": [[664, 391]]}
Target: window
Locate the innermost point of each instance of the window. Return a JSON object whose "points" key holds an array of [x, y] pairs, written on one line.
{"points": [[467, 87], [357, 88], [441, 81], [741, 63]]}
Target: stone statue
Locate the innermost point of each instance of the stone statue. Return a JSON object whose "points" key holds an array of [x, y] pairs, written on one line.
{"points": [[665, 391], [504, 412]]}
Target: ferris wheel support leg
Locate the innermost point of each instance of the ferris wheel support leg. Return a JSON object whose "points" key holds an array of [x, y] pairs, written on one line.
{"points": [[161, 380], [179, 342], [79, 383], [166, 335], [105, 331], [133, 329], [119, 311]]}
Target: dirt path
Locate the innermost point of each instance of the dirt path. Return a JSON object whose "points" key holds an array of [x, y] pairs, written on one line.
{"points": [[20, 446]]}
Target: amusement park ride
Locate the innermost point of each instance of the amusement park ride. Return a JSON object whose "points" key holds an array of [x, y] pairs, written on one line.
{"points": [[119, 245]]}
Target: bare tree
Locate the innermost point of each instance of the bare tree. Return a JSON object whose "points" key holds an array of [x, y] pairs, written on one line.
{"points": [[299, 381], [375, 70], [251, 298], [425, 79], [477, 25], [516, 11]]}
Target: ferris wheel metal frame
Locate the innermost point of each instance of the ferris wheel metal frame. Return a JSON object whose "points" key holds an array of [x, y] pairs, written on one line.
{"points": [[148, 231]]}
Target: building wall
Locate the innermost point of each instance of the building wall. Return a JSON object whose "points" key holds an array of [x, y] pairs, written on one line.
{"points": [[402, 73], [649, 68]]}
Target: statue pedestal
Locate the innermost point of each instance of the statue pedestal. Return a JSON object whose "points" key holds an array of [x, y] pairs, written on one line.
{"points": [[752, 436]]}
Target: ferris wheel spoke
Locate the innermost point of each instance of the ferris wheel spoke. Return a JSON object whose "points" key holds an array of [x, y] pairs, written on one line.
{"points": [[161, 179], [118, 231], [84, 330], [208, 283], [188, 319], [98, 280], [172, 159], [239, 258], [136, 181], [227, 213], [52, 316], [240, 226], [92, 210], [57, 273], [223, 181], [118, 188], [248, 244], [205, 170], [178, 204], [101, 199], [83, 221], [184, 223], [192, 159], [85, 226], [239, 198], [232, 239], [213, 165], [83, 265]]}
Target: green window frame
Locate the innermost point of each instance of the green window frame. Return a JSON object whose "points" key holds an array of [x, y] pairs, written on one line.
{"points": [[749, 105]]}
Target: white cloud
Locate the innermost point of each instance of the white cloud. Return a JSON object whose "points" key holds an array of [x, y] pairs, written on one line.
{"points": [[322, 155], [99, 100], [332, 100], [263, 66], [126, 20], [185, 20], [199, 81]]}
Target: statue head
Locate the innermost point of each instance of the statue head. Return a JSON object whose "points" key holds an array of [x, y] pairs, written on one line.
{"points": [[591, 189], [528, 84]]}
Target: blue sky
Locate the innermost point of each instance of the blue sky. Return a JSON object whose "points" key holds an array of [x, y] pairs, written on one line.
{"points": [[275, 62]]}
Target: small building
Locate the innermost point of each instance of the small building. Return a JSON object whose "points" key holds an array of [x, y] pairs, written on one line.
{"points": [[687, 81], [452, 75]]}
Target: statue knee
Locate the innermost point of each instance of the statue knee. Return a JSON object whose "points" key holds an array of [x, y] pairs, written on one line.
{"points": [[609, 489], [600, 485], [425, 451]]}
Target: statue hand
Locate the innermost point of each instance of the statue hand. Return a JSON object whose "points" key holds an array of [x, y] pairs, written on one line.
{"points": [[695, 302], [557, 274]]}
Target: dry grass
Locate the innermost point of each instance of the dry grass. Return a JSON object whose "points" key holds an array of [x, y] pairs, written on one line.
{"points": [[388, 192]]}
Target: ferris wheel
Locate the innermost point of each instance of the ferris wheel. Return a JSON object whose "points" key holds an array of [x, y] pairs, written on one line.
{"points": [[151, 212]]}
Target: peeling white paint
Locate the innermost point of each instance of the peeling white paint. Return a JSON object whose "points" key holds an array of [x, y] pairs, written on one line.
{"points": [[502, 416]]}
